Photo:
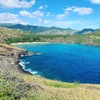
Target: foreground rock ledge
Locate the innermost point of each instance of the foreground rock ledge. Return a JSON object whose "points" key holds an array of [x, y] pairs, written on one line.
{"points": [[9, 58]]}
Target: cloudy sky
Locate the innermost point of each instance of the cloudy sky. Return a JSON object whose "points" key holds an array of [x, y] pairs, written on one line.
{"points": [[76, 14]]}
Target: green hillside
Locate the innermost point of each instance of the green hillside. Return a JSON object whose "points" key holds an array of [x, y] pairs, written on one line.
{"points": [[39, 29], [13, 36], [6, 33], [18, 85]]}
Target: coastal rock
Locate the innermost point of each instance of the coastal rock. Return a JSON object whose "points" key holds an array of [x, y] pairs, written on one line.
{"points": [[9, 58]]}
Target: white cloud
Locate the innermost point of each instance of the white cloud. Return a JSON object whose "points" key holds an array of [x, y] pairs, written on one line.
{"points": [[39, 20], [48, 14], [10, 18], [47, 21], [16, 3], [95, 1], [82, 10], [68, 9], [25, 14], [41, 7], [36, 14], [60, 16], [46, 5], [79, 10]]}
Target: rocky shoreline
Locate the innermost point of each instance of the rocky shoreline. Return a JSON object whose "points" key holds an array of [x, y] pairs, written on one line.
{"points": [[9, 59]]}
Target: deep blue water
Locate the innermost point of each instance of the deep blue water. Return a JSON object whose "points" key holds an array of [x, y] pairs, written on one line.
{"points": [[64, 62]]}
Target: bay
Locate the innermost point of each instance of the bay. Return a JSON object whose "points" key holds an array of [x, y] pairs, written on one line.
{"points": [[64, 62]]}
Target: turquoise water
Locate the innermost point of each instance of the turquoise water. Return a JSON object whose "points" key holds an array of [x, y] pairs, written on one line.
{"points": [[64, 62]]}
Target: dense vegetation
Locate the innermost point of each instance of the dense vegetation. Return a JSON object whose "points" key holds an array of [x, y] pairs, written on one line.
{"points": [[90, 39], [13, 88], [13, 36]]}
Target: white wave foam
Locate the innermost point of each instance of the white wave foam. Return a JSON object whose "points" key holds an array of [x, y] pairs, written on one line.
{"points": [[32, 72], [22, 55], [27, 62], [38, 53], [21, 63]]}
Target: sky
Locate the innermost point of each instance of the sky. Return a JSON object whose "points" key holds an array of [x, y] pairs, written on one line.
{"points": [[75, 14]]}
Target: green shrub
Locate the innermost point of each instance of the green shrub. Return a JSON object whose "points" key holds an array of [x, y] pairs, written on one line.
{"points": [[61, 84], [10, 90]]}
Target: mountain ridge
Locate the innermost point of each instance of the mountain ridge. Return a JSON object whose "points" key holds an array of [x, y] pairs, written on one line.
{"points": [[47, 30], [86, 30], [39, 29]]}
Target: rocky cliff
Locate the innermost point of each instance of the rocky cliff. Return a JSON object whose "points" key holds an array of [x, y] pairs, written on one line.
{"points": [[9, 57]]}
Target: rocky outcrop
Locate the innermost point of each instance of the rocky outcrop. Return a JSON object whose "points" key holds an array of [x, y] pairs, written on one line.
{"points": [[9, 57]]}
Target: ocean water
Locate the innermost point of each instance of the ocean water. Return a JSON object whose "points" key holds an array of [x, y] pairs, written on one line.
{"points": [[64, 62]]}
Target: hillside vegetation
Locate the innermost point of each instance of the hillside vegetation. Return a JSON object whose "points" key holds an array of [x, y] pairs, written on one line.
{"points": [[13, 36], [18, 85], [39, 29], [6, 33]]}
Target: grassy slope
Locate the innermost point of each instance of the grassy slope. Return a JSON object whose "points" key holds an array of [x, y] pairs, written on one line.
{"points": [[39, 29], [44, 89], [12, 36], [6, 33], [54, 90]]}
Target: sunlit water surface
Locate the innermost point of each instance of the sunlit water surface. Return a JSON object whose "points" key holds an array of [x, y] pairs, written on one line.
{"points": [[64, 62]]}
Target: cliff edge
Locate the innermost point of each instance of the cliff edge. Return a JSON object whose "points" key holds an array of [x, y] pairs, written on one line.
{"points": [[9, 57]]}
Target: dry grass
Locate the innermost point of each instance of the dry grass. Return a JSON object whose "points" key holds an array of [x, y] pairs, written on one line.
{"points": [[5, 47], [9, 33], [48, 89], [45, 89]]}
